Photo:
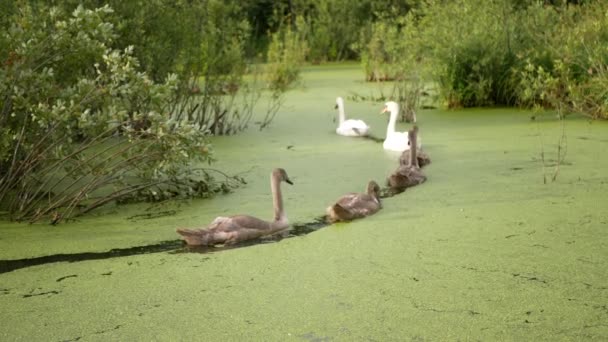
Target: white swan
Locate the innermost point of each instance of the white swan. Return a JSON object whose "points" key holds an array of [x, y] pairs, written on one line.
{"points": [[233, 229], [349, 128], [395, 141]]}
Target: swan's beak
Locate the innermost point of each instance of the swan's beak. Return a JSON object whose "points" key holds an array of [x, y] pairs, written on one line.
{"points": [[384, 110], [336, 106], [288, 181]]}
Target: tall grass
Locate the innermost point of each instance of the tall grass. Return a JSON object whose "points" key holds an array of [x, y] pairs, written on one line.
{"points": [[500, 52]]}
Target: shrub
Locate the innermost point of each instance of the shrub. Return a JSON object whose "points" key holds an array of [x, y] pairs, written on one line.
{"points": [[286, 54], [471, 47], [81, 126], [394, 53], [570, 72], [498, 52]]}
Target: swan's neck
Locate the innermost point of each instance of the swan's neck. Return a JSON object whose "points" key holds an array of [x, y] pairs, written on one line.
{"points": [[413, 149], [277, 199], [341, 115], [390, 129]]}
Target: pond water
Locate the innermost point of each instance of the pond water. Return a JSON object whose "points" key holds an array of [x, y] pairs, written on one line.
{"points": [[483, 250]]}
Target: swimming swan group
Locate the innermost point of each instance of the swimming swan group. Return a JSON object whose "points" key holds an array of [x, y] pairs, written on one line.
{"points": [[238, 228]]}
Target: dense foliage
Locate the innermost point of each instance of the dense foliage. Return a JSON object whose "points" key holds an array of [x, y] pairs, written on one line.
{"points": [[333, 26], [83, 123], [570, 71], [499, 52], [77, 116], [105, 101]]}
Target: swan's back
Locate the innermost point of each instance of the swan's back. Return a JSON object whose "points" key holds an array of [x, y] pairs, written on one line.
{"points": [[423, 158], [231, 229], [406, 176], [245, 221], [353, 128], [352, 206], [396, 141]]}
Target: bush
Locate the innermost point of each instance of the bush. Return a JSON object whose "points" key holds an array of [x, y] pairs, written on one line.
{"points": [[393, 52], [334, 28], [570, 73], [81, 126], [498, 52], [286, 54], [471, 47]]}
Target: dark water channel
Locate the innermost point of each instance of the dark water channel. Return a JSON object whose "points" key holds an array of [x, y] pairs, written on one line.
{"points": [[171, 246], [174, 246]]}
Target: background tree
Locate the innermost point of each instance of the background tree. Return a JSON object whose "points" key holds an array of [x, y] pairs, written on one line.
{"points": [[83, 124]]}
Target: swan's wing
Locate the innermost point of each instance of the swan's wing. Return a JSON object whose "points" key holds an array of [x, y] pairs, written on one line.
{"points": [[360, 124], [408, 176], [218, 221], [338, 213], [353, 127], [227, 230], [242, 228], [361, 130], [218, 224], [347, 200], [239, 222], [396, 141], [359, 204]]}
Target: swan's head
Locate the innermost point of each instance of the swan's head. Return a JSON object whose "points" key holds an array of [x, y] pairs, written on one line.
{"points": [[281, 175], [391, 107], [373, 189], [339, 102]]}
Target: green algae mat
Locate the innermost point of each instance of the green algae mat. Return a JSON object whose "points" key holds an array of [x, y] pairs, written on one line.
{"points": [[484, 250]]}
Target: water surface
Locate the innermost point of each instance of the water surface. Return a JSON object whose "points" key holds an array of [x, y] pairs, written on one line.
{"points": [[483, 250]]}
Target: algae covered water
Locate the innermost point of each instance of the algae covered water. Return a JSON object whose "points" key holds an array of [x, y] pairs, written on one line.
{"points": [[483, 250]]}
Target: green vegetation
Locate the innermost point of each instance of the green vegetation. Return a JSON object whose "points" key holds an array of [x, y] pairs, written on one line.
{"points": [[106, 106], [115, 103], [78, 116], [499, 52], [482, 251], [88, 118], [476, 53]]}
